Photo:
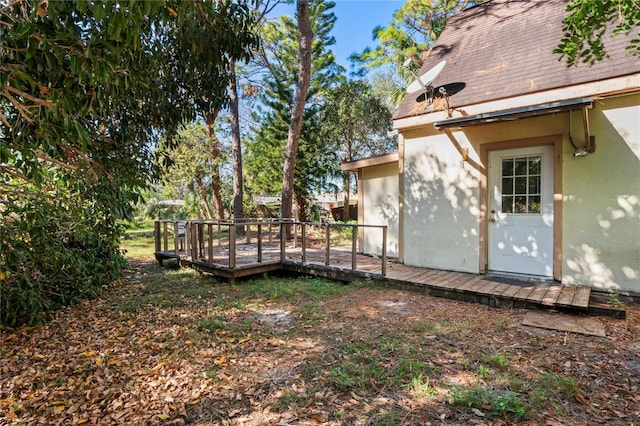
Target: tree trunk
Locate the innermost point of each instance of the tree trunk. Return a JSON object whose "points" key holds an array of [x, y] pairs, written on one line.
{"points": [[347, 177], [236, 146], [303, 207], [202, 191], [210, 121], [305, 38]]}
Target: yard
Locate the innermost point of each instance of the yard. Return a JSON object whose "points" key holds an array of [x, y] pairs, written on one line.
{"points": [[169, 346]]}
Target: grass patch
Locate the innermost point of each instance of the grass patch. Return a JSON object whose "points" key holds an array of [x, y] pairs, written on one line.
{"points": [[420, 388], [507, 403]]}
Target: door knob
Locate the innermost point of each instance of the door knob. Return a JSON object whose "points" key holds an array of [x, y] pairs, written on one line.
{"points": [[493, 216]]}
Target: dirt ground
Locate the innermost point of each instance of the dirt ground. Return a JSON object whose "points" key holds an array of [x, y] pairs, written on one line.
{"points": [[173, 348]]}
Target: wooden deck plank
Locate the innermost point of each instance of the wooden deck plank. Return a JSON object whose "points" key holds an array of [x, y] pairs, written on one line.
{"points": [[581, 299], [538, 293], [454, 282], [435, 277], [510, 292], [524, 292], [487, 288], [412, 277], [468, 285], [551, 296], [477, 285], [566, 296], [500, 289]]}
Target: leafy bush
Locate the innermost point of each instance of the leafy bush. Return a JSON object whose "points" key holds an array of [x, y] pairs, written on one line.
{"points": [[53, 251]]}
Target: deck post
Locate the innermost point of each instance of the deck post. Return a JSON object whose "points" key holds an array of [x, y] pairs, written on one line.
{"points": [[232, 247], [210, 242], [165, 226], [259, 242], [304, 244], [219, 235], [384, 251], [328, 244], [282, 242], [195, 231], [354, 234], [157, 232], [187, 238], [270, 229], [156, 235], [200, 240], [176, 238]]}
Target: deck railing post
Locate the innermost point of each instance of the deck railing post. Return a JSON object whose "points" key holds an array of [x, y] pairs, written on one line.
{"points": [[194, 235], [259, 243], [187, 238], [304, 243], [156, 236], [165, 235], [295, 235], [354, 233], [384, 251], [219, 235], [176, 238], [200, 240], [270, 229], [328, 244], [232, 247], [282, 241], [210, 242]]}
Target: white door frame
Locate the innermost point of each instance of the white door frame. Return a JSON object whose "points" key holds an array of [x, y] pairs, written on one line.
{"points": [[556, 141]]}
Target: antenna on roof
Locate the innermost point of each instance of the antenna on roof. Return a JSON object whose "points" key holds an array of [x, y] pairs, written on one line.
{"points": [[424, 82]]}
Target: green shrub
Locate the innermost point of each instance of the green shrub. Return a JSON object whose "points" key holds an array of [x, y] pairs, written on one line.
{"points": [[53, 252]]}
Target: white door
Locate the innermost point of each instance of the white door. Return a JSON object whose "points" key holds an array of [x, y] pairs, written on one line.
{"points": [[520, 234]]}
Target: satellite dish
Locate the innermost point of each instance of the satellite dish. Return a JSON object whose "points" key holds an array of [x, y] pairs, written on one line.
{"points": [[423, 82]]}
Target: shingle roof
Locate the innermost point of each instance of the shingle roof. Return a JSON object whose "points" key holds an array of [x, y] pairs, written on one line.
{"points": [[504, 48]]}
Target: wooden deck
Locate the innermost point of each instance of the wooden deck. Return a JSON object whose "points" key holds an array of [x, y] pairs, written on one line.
{"points": [[265, 253], [498, 291]]}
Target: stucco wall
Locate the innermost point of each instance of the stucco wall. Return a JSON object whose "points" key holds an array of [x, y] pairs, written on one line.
{"points": [[380, 191], [601, 232], [441, 201], [601, 195]]}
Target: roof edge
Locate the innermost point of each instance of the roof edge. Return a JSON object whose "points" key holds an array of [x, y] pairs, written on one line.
{"points": [[378, 160], [598, 89], [515, 113]]}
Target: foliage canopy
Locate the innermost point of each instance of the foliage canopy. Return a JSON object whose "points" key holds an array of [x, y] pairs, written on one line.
{"points": [[86, 87], [588, 22]]}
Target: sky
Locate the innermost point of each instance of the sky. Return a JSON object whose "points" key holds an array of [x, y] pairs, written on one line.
{"points": [[355, 22]]}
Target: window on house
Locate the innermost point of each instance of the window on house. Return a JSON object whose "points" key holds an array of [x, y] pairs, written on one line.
{"points": [[521, 184]]}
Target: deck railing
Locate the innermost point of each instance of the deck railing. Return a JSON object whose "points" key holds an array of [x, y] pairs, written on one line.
{"points": [[242, 243]]}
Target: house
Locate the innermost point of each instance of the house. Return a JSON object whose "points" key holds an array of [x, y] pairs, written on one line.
{"points": [[515, 163]]}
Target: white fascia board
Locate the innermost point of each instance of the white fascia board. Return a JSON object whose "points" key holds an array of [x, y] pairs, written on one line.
{"points": [[628, 83]]}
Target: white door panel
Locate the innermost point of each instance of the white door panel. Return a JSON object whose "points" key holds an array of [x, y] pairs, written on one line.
{"points": [[520, 234]]}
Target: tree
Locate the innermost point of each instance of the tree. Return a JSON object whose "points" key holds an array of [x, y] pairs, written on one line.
{"points": [[85, 89], [278, 62], [411, 34], [195, 166], [236, 145], [356, 123], [588, 21], [305, 39]]}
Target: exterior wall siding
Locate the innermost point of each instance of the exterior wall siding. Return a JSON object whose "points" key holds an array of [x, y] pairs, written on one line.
{"points": [[380, 191], [601, 231], [441, 202]]}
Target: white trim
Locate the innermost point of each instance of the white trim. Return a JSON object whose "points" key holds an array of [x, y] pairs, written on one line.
{"points": [[596, 88]]}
